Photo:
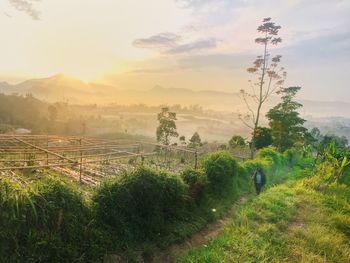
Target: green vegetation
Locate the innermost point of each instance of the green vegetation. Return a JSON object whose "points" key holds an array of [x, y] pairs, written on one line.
{"points": [[285, 122], [236, 140], [306, 219], [140, 205], [263, 137], [196, 181], [141, 210], [48, 222], [289, 223], [220, 168]]}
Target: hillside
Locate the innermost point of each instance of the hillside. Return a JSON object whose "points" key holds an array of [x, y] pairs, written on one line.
{"points": [[158, 208], [301, 221], [65, 88]]}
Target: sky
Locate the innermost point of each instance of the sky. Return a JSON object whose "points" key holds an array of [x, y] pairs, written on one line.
{"points": [[194, 44]]}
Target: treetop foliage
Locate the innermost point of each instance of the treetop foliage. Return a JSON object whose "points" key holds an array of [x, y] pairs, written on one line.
{"points": [[263, 137], [285, 122], [195, 140], [167, 126], [236, 140], [270, 30]]}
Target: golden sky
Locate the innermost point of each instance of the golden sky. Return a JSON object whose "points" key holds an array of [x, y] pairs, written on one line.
{"points": [[197, 44]]}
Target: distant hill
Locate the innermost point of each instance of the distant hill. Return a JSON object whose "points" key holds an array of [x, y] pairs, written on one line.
{"points": [[60, 88], [64, 88]]}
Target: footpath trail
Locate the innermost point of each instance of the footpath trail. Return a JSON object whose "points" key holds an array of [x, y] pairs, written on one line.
{"points": [[210, 231]]}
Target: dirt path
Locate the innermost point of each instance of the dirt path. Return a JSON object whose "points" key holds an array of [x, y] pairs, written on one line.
{"points": [[210, 231]]}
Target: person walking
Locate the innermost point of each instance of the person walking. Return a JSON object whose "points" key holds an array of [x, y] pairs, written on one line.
{"points": [[259, 179]]}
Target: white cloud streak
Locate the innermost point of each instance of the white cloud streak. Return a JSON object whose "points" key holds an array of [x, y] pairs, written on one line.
{"points": [[170, 43], [26, 6]]}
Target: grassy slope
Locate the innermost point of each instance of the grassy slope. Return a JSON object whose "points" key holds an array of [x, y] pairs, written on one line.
{"points": [[207, 209], [204, 214], [300, 221]]}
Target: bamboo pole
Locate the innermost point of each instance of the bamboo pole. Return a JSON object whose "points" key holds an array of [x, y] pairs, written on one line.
{"points": [[47, 151], [81, 162], [47, 147]]}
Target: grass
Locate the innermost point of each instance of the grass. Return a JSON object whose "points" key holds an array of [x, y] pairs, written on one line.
{"points": [[32, 177], [300, 221], [89, 238]]}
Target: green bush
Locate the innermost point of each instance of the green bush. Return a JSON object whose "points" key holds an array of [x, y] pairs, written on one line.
{"points": [[220, 168], [252, 165], [141, 204], [196, 180], [292, 156], [270, 154], [49, 223], [272, 164]]}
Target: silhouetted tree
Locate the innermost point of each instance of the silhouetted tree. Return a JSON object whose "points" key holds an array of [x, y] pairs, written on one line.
{"points": [[182, 140], [195, 140], [167, 126], [269, 77]]}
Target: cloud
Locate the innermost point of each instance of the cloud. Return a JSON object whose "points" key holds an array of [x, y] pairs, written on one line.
{"points": [[324, 49], [162, 41], [170, 43], [7, 15], [26, 6], [193, 46]]}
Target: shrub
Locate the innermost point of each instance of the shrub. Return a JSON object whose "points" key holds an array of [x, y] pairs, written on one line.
{"points": [[141, 204], [50, 223], [196, 180], [292, 156], [220, 168], [11, 203], [252, 165], [270, 154], [61, 219]]}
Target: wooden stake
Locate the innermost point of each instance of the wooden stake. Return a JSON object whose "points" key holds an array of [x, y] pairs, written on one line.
{"points": [[81, 161], [47, 147]]}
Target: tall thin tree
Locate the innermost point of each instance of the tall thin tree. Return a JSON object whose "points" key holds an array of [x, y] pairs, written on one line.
{"points": [[167, 126], [269, 77]]}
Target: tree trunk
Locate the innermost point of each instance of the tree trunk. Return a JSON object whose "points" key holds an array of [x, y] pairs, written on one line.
{"points": [[256, 124]]}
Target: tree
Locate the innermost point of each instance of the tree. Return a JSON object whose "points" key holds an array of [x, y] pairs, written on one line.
{"points": [[236, 140], [263, 137], [182, 140], [195, 140], [285, 122], [167, 126], [269, 76]]}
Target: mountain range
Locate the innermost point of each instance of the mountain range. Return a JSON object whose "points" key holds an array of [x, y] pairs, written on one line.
{"points": [[64, 88]]}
